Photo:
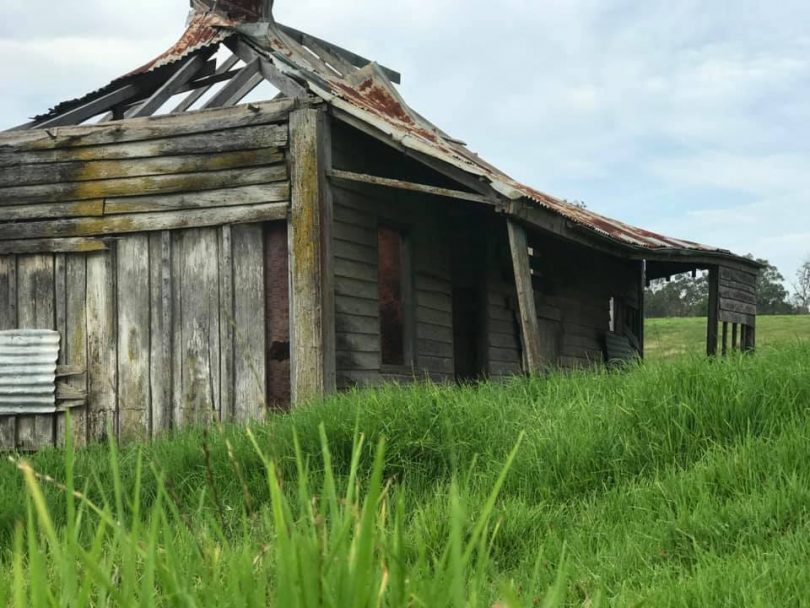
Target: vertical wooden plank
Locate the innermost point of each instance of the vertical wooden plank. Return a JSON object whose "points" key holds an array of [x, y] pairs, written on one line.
{"points": [[226, 324], [199, 326], [642, 313], [8, 320], [176, 327], [75, 340], [734, 344], [102, 368], [249, 331], [160, 358], [60, 301], [311, 301], [725, 339], [133, 316], [36, 310], [527, 309], [751, 336], [714, 311]]}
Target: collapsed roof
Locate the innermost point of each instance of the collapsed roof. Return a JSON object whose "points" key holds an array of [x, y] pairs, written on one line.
{"points": [[358, 90]]}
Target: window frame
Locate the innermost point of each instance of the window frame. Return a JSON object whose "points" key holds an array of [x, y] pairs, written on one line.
{"points": [[407, 292]]}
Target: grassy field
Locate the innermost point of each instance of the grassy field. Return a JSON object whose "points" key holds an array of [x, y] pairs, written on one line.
{"points": [[678, 483], [667, 338]]}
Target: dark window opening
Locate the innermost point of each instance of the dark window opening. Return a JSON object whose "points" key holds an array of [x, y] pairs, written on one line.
{"points": [[277, 315], [391, 288]]}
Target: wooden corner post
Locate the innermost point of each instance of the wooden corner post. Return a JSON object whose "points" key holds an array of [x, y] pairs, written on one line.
{"points": [[312, 326], [529, 325], [714, 311]]}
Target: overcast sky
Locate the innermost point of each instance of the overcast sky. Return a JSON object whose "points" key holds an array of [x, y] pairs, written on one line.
{"points": [[691, 118]]}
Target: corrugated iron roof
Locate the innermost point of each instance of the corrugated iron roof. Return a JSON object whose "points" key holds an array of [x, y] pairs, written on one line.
{"points": [[368, 95], [28, 371], [204, 30]]}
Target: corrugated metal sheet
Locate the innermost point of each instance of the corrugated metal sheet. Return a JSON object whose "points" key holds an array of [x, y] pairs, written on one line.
{"points": [[204, 30], [369, 96], [28, 371]]}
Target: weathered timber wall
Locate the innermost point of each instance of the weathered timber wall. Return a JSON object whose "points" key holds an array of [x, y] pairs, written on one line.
{"points": [[573, 288], [737, 296], [357, 318], [61, 188], [142, 243], [164, 325]]}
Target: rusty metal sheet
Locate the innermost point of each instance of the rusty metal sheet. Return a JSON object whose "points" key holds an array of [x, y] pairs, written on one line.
{"points": [[28, 371], [204, 30], [368, 95]]}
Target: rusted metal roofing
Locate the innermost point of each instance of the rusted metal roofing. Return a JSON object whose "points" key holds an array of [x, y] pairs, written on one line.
{"points": [[369, 96], [204, 30], [28, 371]]}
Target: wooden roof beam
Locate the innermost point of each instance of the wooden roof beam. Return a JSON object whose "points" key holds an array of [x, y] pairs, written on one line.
{"points": [[190, 68], [354, 59]]}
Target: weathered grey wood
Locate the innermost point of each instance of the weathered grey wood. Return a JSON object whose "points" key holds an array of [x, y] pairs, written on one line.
{"points": [[36, 310], [191, 66], [146, 222], [18, 181], [102, 368], [228, 197], [346, 305], [134, 323], [199, 322], [178, 362], [727, 316], [525, 294], [15, 213], [348, 56], [728, 293], [714, 309], [250, 391], [141, 129], [78, 164], [358, 342], [360, 325], [247, 79], [66, 245], [746, 277], [358, 271], [311, 269], [60, 302], [724, 350], [8, 320], [642, 312], [357, 361], [227, 323], [8, 291], [195, 95], [270, 72], [742, 308], [356, 252], [734, 343], [92, 108], [374, 180], [133, 186], [351, 287], [74, 341], [160, 358]]}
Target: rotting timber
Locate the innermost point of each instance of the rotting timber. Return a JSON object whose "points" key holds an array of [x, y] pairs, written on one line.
{"points": [[205, 261]]}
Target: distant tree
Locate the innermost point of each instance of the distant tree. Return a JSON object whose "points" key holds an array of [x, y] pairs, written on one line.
{"points": [[681, 296], [687, 296], [772, 296], [803, 287]]}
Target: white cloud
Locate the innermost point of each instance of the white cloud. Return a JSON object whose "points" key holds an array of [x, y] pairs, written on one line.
{"points": [[689, 117]]}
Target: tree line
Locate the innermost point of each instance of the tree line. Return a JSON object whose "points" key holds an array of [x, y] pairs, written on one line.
{"points": [[685, 295]]}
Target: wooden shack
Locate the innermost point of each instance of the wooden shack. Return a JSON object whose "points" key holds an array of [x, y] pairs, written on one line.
{"points": [[196, 260]]}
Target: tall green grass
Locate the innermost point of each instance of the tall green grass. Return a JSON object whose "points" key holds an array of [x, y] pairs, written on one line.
{"points": [[682, 483]]}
